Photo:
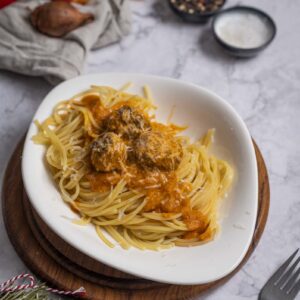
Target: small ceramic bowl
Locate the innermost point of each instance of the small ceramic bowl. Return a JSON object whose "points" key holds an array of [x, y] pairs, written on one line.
{"points": [[230, 38], [195, 17]]}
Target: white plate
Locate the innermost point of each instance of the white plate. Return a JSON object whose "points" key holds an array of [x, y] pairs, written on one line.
{"points": [[196, 107]]}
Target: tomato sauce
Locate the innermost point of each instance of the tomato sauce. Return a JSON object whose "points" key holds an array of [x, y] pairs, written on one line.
{"points": [[164, 192], [99, 112]]}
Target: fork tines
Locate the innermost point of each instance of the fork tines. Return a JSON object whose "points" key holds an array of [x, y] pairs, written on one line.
{"points": [[286, 278]]}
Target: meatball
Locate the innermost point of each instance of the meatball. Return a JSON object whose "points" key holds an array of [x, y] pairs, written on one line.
{"points": [[108, 152], [158, 150], [127, 122]]}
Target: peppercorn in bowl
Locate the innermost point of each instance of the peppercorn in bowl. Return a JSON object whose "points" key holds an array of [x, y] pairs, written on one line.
{"points": [[196, 11]]}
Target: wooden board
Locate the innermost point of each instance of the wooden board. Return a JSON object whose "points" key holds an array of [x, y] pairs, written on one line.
{"points": [[64, 267]]}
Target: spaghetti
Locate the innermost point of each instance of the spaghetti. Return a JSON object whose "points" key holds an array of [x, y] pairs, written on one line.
{"points": [[136, 180]]}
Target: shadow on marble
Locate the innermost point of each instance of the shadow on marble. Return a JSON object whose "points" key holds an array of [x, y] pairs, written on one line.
{"points": [[22, 78], [213, 50], [18, 102], [164, 13], [210, 47]]}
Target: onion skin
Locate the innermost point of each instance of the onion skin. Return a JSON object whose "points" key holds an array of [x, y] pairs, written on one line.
{"points": [[58, 18]]}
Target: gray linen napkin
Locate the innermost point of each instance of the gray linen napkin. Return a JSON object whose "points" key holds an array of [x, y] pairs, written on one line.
{"points": [[24, 50]]}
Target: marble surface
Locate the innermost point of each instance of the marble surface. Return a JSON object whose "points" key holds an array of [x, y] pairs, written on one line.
{"points": [[265, 91]]}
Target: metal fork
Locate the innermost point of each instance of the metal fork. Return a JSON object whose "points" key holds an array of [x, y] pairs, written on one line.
{"points": [[284, 284]]}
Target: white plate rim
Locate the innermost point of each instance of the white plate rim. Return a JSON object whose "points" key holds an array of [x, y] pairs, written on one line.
{"points": [[29, 187]]}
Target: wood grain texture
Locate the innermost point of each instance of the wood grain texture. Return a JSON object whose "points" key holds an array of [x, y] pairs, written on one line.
{"points": [[39, 228], [62, 266]]}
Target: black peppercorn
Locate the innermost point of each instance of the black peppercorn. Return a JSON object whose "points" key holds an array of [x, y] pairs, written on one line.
{"points": [[197, 6]]}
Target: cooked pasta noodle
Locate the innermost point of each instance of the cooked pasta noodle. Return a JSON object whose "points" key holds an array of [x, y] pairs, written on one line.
{"points": [[149, 202]]}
